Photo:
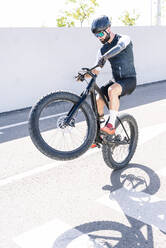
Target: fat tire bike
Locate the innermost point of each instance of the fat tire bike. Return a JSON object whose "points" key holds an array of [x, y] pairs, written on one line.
{"points": [[63, 126]]}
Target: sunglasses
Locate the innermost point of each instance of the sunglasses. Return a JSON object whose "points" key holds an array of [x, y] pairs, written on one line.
{"points": [[100, 34]]}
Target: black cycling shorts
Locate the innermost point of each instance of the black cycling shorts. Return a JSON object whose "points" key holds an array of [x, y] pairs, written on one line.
{"points": [[128, 86]]}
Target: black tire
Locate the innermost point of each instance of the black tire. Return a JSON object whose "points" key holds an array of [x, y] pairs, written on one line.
{"points": [[36, 134], [108, 150]]}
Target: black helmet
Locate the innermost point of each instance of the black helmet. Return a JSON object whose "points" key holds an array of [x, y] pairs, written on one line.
{"points": [[99, 24]]}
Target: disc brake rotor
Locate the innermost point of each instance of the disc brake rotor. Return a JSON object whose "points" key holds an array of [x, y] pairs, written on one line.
{"points": [[61, 122]]}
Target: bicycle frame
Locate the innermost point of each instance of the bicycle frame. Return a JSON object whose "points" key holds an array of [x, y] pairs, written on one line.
{"points": [[90, 90]]}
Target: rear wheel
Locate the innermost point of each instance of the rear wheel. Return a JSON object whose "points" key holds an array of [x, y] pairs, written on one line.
{"points": [[118, 154], [50, 134]]}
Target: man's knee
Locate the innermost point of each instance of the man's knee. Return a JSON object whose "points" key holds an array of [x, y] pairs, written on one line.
{"points": [[114, 90]]}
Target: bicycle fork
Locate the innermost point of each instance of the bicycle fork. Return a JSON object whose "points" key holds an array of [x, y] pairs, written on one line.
{"points": [[76, 106]]}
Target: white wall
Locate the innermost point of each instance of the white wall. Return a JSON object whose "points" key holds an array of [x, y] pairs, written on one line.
{"points": [[35, 61]]}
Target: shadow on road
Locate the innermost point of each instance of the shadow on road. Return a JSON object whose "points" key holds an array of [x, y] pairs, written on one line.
{"points": [[142, 95], [112, 234], [134, 195]]}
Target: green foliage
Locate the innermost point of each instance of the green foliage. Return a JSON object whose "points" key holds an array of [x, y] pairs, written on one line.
{"points": [[129, 19], [64, 22], [81, 11]]}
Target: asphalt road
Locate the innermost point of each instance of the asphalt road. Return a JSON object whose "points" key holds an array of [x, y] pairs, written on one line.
{"points": [[83, 203]]}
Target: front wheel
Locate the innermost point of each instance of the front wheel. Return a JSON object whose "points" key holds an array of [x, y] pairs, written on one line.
{"points": [[119, 153], [51, 136]]}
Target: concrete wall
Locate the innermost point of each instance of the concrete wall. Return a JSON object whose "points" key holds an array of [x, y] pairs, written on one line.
{"points": [[35, 61]]}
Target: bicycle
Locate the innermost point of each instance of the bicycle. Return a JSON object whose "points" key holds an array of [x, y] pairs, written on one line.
{"points": [[63, 126]]}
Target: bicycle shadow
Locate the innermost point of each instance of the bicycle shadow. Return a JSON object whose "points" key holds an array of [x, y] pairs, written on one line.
{"points": [[109, 234], [141, 205], [116, 235]]}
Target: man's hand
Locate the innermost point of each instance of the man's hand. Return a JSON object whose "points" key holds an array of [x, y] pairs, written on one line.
{"points": [[80, 76], [102, 61]]}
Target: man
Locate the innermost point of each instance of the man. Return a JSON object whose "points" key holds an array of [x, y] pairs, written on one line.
{"points": [[117, 49]]}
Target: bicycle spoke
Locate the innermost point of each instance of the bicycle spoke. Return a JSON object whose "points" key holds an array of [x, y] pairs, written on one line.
{"points": [[120, 152], [67, 138]]}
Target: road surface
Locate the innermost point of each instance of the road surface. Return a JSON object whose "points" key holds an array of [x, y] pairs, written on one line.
{"points": [[83, 203]]}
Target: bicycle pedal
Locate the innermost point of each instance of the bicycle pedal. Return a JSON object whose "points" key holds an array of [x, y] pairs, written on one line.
{"points": [[108, 139], [102, 133]]}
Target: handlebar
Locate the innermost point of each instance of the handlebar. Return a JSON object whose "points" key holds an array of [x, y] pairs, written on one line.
{"points": [[91, 69], [94, 67], [81, 75]]}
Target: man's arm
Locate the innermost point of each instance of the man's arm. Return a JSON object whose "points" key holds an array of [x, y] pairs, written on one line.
{"points": [[94, 72], [121, 45], [81, 78]]}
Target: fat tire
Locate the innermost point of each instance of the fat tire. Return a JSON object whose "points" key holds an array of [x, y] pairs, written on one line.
{"points": [[37, 139], [106, 152]]}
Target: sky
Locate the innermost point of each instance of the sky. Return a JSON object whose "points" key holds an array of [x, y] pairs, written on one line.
{"points": [[43, 13]]}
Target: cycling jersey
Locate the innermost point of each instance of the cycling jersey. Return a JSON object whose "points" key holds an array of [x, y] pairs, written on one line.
{"points": [[122, 59]]}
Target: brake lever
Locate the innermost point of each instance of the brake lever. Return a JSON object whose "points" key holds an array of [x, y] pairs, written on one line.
{"points": [[80, 77]]}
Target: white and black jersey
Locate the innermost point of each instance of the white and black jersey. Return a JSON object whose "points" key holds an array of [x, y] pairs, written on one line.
{"points": [[122, 59]]}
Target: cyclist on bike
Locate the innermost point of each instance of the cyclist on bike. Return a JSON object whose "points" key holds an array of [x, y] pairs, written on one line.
{"points": [[118, 50]]}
